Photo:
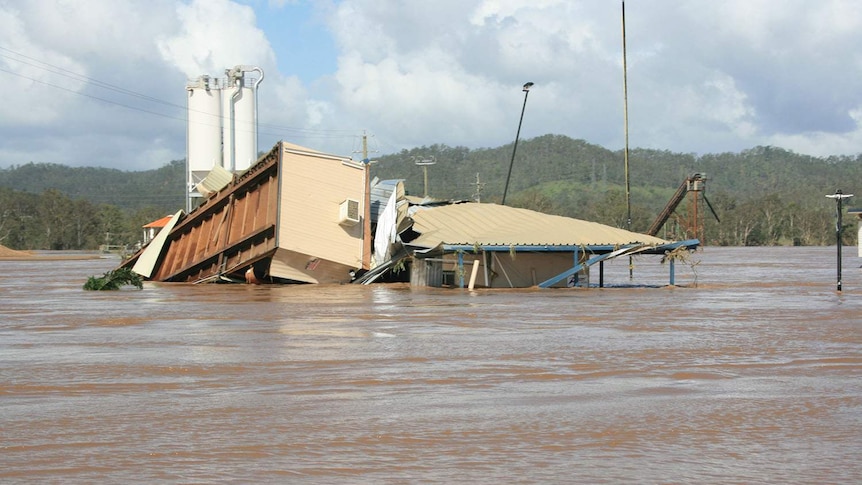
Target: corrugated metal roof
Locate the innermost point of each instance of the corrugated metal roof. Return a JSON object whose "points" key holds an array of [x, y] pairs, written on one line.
{"points": [[496, 225], [217, 179], [380, 193]]}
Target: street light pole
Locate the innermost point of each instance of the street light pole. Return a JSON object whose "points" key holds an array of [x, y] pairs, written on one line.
{"points": [[424, 164], [626, 124], [526, 90], [626, 150], [839, 196]]}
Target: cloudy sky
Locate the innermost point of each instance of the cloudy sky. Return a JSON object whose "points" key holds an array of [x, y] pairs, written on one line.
{"points": [[102, 82]]}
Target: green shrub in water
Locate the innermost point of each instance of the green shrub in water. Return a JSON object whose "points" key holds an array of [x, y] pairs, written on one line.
{"points": [[114, 279]]}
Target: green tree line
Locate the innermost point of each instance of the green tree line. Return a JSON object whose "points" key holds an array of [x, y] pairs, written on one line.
{"points": [[52, 220], [55, 207], [763, 196]]}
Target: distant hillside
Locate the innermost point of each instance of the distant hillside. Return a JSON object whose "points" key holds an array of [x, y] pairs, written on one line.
{"points": [[162, 188], [764, 195], [559, 159]]}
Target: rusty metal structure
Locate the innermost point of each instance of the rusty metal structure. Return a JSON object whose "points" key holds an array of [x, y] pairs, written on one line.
{"points": [[230, 231], [692, 225], [293, 217]]}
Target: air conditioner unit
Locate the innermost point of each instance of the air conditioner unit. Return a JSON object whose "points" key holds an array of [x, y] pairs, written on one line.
{"points": [[348, 212]]}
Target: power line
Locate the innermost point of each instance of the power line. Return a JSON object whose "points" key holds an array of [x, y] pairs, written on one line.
{"points": [[91, 96], [81, 77], [271, 129]]}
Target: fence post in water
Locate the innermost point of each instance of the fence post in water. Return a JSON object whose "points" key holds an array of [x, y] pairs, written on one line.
{"points": [[460, 270], [473, 275], [839, 196], [672, 273], [601, 274], [577, 258]]}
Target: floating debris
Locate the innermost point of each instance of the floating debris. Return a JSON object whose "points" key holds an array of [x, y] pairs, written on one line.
{"points": [[114, 280]]}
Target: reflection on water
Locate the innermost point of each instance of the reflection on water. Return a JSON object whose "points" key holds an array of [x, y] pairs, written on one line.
{"points": [[749, 375]]}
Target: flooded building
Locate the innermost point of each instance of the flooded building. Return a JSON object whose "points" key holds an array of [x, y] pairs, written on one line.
{"points": [[153, 228], [298, 215], [293, 217], [303, 216], [493, 246]]}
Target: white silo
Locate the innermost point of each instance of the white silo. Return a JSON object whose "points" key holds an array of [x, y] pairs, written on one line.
{"points": [[240, 118], [204, 132], [222, 125]]}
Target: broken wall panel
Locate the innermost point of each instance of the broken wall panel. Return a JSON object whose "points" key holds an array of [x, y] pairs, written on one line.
{"points": [[313, 188], [282, 218], [228, 230]]}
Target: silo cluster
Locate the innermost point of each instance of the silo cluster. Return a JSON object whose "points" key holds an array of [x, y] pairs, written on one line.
{"points": [[222, 123]]}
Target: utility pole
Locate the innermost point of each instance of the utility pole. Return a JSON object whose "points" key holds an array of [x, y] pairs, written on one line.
{"points": [[626, 149], [425, 164], [526, 90], [479, 186], [366, 219], [626, 123], [839, 197]]}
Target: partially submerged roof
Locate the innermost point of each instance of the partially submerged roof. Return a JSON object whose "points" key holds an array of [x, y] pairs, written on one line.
{"points": [[495, 225], [158, 223]]}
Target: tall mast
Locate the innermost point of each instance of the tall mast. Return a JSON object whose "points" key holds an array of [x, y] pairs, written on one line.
{"points": [[366, 219], [626, 123]]}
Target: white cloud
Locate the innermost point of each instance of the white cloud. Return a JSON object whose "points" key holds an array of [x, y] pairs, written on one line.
{"points": [[103, 28], [455, 72], [824, 144], [80, 83], [30, 70], [704, 76], [214, 35], [417, 96]]}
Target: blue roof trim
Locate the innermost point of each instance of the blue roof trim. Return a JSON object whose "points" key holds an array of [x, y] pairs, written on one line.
{"points": [[689, 243], [536, 248], [595, 259], [599, 248], [621, 251]]}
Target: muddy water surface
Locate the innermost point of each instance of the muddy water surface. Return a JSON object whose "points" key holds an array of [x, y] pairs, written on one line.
{"points": [[753, 375]]}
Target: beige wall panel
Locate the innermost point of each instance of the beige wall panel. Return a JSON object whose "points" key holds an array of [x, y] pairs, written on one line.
{"points": [[302, 267], [312, 188]]}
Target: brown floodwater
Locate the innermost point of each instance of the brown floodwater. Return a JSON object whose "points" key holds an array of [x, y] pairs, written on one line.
{"points": [[750, 374]]}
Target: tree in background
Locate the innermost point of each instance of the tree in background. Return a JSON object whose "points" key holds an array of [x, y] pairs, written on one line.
{"points": [[53, 221]]}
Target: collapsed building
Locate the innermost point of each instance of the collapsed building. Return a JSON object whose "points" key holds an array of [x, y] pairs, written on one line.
{"points": [[303, 216], [298, 215]]}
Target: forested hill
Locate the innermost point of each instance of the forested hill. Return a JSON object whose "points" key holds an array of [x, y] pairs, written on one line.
{"points": [[764, 195], [161, 188], [555, 160], [47, 206]]}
